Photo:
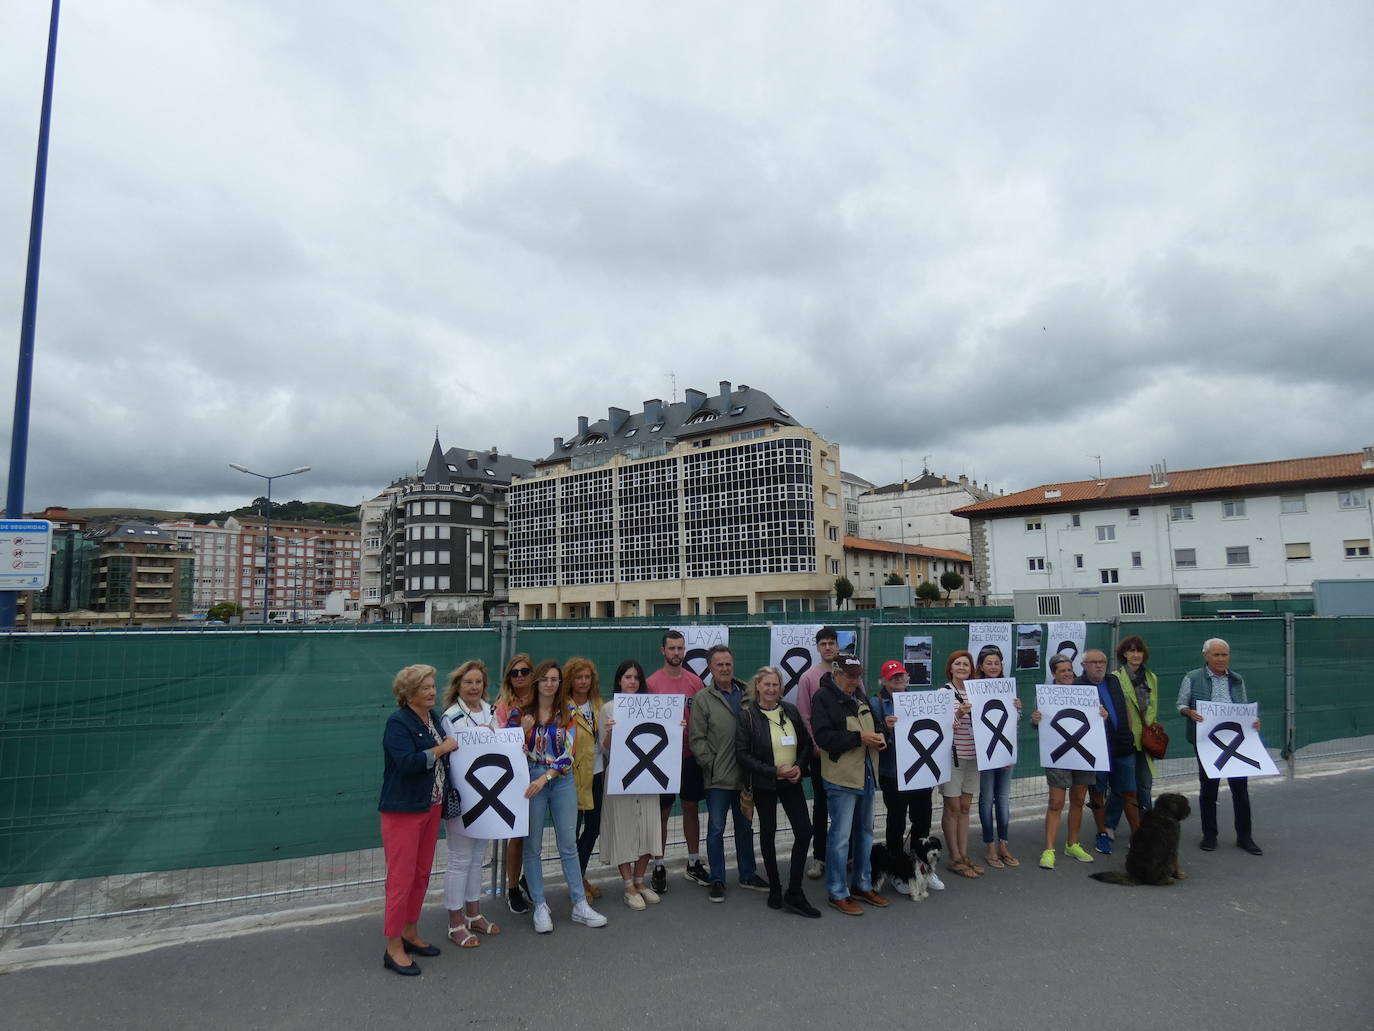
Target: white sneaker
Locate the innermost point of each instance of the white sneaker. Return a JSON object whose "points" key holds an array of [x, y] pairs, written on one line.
{"points": [[583, 913], [933, 882], [900, 886], [815, 869], [543, 919]]}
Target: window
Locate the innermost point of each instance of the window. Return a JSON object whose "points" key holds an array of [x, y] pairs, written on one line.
{"points": [[1297, 552], [1107, 533], [1035, 563], [1078, 561], [1238, 556], [1075, 520], [1181, 513], [1110, 576], [1048, 605], [832, 533], [1357, 549], [442, 582], [1135, 560], [1351, 498], [834, 567], [1233, 509], [444, 507], [1185, 558], [1293, 503], [1032, 524], [1132, 514]]}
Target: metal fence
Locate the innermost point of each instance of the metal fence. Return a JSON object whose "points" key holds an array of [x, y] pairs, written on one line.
{"points": [[234, 771]]}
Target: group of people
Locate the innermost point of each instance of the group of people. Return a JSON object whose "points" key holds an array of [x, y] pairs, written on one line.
{"points": [[746, 750]]}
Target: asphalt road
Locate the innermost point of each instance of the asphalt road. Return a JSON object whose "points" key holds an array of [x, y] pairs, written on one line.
{"points": [[1282, 941]]}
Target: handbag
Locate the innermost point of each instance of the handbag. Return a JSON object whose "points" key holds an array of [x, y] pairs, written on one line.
{"points": [[1154, 740]]}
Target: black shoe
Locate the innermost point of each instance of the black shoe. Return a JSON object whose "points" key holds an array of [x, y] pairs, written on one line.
{"points": [[774, 901], [756, 883], [1208, 844], [516, 900], [717, 892], [698, 874], [391, 964], [797, 904], [658, 880], [1249, 845], [419, 950]]}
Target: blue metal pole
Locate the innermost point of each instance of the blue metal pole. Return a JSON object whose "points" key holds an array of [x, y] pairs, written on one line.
{"points": [[23, 383], [267, 550]]}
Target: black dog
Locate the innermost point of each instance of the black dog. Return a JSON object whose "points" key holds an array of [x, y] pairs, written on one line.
{"points": [[1153, 855], [912, 865]]}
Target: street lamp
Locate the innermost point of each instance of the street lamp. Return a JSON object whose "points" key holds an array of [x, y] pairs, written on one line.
{"points": [[267, 529]]}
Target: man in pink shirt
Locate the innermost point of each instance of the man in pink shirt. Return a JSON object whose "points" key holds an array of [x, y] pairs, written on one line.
{"points": [[828, 644], [675, 678]]}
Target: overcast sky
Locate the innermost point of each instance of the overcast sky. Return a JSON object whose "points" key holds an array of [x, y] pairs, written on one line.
{"points": [[1006, 236]]}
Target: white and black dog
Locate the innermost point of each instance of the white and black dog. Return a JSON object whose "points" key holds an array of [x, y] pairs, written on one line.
{"points": [[914, 864]]}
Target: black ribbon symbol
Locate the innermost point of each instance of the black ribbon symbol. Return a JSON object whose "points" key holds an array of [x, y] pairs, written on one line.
{"points": [[1071, 739], [925, 754], [1000, 706], [646, 763], [1233, 749], [793, 664], [491, 794], [696, 660]]}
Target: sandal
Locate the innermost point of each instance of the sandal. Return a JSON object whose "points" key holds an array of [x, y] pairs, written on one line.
{"points": [[463, 938], [994, 861], [962, 868], [482, 925], [978, 871], [1009, 859]]}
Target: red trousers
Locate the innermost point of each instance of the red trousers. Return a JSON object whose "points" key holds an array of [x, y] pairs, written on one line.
{"points": [[408, 841]]}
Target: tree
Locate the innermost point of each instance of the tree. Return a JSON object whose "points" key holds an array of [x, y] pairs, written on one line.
{"points": [[928, 592], [894, 580], [951, 582], [844, 590], [224, 611]]}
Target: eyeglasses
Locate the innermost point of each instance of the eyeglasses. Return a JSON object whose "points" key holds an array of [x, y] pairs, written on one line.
{"points": [[522, 672]]}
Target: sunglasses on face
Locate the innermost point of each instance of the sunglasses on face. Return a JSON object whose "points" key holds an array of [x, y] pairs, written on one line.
{"points": [[523, 672]]}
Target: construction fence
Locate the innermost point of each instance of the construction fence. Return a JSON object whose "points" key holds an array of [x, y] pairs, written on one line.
{"points": [[148, 769]]}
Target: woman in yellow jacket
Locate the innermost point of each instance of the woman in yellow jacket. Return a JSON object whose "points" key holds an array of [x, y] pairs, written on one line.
{"points": [[589, 764], [1141, 689]]}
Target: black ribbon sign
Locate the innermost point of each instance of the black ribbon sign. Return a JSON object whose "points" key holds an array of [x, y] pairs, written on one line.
{"points": [[999, 706], [491, 793], [925, 754], [793, 664], [1071, 740], [1233, 749], [697, 662], [646, 763]]}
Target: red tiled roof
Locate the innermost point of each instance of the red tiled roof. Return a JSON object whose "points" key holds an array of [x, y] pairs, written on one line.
{"points": [[1291, 473], [867, 544]]}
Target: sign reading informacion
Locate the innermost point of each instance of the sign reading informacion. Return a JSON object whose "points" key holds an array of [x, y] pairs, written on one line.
{"points": [[28, 554]]}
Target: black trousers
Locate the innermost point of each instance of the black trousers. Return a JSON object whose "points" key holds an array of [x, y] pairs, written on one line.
{"points": [[589, 821], [819, 809], [793, 801], [902, 806], [1207, 803]]}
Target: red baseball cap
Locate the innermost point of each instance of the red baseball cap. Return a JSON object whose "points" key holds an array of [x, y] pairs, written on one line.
{"points": [[892, 668]]}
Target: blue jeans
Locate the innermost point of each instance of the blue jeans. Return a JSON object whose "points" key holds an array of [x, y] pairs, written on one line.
{"points": [[850, 836], [994, 786], [720, 801], [559, 800], [1129, 773]]}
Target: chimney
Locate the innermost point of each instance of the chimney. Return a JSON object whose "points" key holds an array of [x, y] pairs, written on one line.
{"points": [[724, 395], [695, 399], [493, 452], [558, 443], [653, 410], [963, 480], [581, 425], [472, 461], [617, 417], [1159, 475], [1367, 462]]}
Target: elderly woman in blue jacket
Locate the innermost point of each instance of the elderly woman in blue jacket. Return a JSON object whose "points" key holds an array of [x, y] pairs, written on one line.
{"points": [[413, 781]]}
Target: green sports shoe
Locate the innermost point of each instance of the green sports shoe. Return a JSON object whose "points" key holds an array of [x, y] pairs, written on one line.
{"points": [[1047, 859], [1077, 852]]}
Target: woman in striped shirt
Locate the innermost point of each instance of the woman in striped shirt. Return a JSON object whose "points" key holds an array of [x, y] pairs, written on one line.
{"points": [[958, 790]]}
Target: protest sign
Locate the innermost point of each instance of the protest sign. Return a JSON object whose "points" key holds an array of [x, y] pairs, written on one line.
{"points": [[1228, 745], [1067, 638], [1072, 735], [489, 770], [699, 641], [994, 720], [983, 637], [924, 736], [641, 761]]}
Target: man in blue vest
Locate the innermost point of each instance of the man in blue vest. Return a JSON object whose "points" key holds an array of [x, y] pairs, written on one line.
{"points": [[1217, 682]]}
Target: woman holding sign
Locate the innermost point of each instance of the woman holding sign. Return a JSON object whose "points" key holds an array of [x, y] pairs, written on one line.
{"points": [[413, 782], [994, 786], [464, 707], [514, 698], [957, 792], [550, 736], [631, 831], [589, 765], [1074, 782], [773, 749], [900, 805]]}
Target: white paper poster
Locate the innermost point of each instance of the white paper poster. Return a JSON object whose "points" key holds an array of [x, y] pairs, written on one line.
{"points": [[489, 770], [917, 657], [1072, 735], [792, 649], [699, 641], [924, 736], [643, 761], [1068, 638], [994, 720], [1228, 745], [983, 637]]}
